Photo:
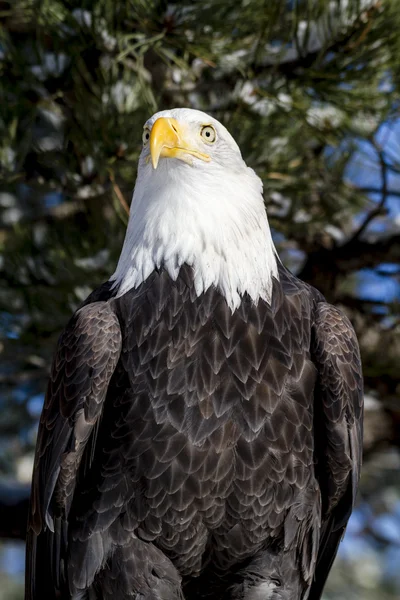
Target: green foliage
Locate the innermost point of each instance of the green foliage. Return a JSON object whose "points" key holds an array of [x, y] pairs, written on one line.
{"points": [[100, 69]]}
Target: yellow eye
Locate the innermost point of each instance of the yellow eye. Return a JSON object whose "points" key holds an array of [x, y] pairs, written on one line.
{"points": [[146, 135], [208, 134]]}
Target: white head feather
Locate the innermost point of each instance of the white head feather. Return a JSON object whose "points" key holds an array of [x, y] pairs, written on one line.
{"points": [[209, 215]]}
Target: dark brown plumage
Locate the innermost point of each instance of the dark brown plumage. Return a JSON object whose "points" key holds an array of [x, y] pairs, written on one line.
{"points": [[188, 452]]}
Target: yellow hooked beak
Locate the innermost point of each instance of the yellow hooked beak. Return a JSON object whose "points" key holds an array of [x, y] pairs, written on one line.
{"points": [[168, 140]]}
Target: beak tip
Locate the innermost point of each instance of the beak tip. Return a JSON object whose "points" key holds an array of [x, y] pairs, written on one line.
{"points": [[163, 135]]}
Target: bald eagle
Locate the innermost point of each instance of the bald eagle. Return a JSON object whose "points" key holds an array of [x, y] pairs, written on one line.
{"points": [[201, 434]]}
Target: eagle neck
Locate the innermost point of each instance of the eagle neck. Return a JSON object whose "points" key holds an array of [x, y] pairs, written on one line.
{"points": [[218, 227]]}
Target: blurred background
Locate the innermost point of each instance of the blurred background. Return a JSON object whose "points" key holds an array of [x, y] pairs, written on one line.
{"points": [[310, 89]]}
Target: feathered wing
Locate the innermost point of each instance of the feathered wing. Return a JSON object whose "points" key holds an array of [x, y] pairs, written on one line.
{"points": [[338, 430], [87, 354]]}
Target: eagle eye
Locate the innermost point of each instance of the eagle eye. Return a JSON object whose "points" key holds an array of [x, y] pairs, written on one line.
{"points": [[146, 135], [208, 134]]}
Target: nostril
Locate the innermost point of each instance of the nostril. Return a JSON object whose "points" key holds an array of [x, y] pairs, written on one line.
{"points": [[174, 128]]}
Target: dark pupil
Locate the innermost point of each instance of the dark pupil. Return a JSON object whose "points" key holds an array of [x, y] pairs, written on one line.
{"points": [[147, 136], [208, 133]]}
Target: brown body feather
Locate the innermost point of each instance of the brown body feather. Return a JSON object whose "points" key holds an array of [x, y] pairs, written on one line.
{"points": [[185, 451]]}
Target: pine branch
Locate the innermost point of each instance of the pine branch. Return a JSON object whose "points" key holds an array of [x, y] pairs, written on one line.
{"points": [[323, 266], [379, 208], [377, 190]]}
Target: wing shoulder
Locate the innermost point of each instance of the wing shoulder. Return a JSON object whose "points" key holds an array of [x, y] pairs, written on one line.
{"points": [[339, 397], [85, 359], [338, 429]]}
